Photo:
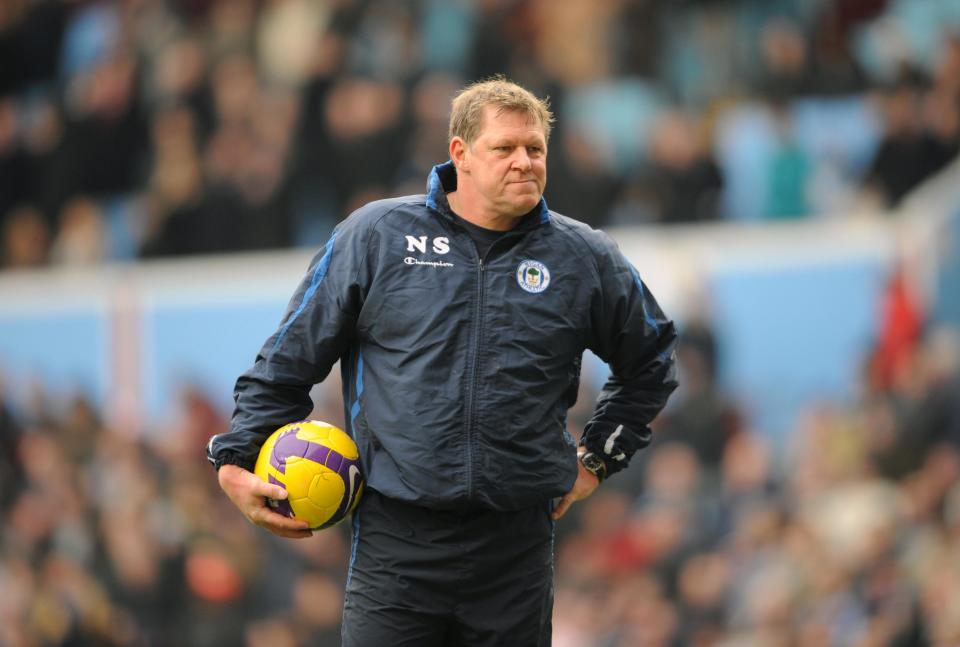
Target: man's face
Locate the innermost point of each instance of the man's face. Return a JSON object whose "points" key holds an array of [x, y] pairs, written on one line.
{"points": [[507, 163]]}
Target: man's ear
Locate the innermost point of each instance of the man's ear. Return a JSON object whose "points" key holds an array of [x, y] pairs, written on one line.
{"points": [[458, 153]]}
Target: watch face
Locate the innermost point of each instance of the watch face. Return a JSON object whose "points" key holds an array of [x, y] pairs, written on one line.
{"points": [[592, 462]]}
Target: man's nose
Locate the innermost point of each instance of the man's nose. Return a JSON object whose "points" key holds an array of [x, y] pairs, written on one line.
{"points": [[521, 159]]}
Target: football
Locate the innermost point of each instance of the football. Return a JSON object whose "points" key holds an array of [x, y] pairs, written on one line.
{"points": [[319, 467]]}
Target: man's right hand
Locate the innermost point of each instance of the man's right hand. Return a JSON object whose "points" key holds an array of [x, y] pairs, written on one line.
{"points": [[249, 493]]}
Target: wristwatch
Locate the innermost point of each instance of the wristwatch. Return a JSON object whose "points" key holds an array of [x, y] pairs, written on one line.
{"points": [[594, 464]]}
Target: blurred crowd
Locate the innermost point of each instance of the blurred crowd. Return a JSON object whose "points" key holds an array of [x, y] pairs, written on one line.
{"points": [[107, 538], [151, 128], [846, 538]]}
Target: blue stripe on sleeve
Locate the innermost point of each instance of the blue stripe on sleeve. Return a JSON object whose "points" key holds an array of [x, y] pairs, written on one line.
{"points": [[646, 315], [315, 281], [355, 409]]}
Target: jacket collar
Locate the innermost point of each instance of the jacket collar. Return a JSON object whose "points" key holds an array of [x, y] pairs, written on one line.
{"points": [[443, 179]]}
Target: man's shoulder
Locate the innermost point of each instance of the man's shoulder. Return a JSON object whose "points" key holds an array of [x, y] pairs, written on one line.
{"points": [[582, 234], [370, 215]]}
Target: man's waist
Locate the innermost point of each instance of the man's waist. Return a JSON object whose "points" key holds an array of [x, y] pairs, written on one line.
{"points": [[449, 510], [456, 504]]}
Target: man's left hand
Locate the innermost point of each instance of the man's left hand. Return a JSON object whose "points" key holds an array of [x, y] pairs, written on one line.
{"points": [[585, 485]]}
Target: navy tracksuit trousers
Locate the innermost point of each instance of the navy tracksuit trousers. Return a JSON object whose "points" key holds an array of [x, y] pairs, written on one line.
{"points": [[432, 578]]}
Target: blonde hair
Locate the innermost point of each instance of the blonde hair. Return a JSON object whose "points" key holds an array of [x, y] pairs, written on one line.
{"points": [[466, 115]]}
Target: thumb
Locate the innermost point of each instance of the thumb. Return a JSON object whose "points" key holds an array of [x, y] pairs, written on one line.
{"points": [[562, 507]]}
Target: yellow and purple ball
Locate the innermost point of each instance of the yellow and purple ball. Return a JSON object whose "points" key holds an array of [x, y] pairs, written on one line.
{"points": [[318, 465]]}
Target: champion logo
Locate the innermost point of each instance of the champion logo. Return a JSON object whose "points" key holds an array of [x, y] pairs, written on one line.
{"points": [[410, 260], [533, 276]]}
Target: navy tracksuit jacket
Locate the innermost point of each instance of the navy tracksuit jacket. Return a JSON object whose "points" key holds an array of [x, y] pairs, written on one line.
{"points": [[458, 370]]}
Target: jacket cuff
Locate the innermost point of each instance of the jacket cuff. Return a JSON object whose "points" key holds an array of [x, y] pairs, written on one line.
{"points": [[614, 443], [226, 458], [230, 460]]}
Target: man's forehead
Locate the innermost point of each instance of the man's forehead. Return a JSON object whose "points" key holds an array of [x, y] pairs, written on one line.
{"points": [[502, 116]]}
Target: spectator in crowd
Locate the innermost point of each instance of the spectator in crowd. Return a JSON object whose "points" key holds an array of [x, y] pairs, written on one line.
{"points": [[26, 239], [81, 237], [907, 153], [581, 181], [785, 70], [684, 178], [789, 170], [702, 417], [10, 469]]}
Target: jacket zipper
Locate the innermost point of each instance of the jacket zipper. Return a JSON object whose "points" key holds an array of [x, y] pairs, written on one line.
{"points": [[475, 367], [475, 376]]}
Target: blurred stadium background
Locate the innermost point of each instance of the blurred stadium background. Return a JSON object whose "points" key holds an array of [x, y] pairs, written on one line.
{"points": [[782, 172]]}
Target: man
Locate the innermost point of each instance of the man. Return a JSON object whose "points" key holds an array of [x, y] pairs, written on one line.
{"points": [[459, 318]]}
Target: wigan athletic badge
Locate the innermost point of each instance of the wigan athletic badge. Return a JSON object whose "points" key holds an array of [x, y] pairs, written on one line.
{"points": [[533, 276]]}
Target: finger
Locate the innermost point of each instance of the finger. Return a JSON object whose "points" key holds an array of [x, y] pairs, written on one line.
{"points": [[562, 506], [290, 534], [269, 519]]}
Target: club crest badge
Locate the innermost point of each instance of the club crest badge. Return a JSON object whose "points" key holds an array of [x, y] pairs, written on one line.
{"points": [[533, 276]]}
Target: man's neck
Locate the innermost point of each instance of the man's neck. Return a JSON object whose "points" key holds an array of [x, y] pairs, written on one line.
{"points": [[459, 204]]}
